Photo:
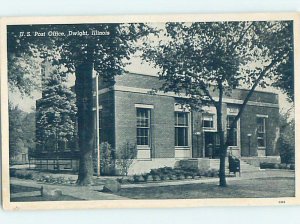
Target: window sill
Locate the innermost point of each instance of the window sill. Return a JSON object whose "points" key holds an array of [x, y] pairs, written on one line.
{"points": [[261, 148], [144, 159], [140, 147], [233, 147], [182, 148]]}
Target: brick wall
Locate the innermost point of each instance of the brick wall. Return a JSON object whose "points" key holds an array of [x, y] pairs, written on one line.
{"points": [[107, 134], [162, 121], [249, 126]]}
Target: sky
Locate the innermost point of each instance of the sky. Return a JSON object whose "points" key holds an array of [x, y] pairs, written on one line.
{"points": [[27, 104], [137, 66]]}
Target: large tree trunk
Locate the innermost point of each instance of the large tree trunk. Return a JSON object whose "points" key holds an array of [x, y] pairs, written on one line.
{"points": [[223, 148], [84, 95]]}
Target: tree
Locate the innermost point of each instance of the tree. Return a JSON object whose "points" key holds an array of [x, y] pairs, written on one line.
{"points": [[286, 141], [21, 131], [22, 72], [213, 58], [15, 131], [125, 157], [80, 49], [285, 78], [56, 115]]}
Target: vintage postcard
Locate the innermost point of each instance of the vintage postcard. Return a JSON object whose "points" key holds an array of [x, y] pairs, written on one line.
{"points": [[150, 111]]}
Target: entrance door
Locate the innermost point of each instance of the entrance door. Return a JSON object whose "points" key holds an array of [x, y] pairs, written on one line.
{"points": [[211, 145]]}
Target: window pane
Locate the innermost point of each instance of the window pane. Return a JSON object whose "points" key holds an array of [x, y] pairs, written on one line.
{"points": [[232, 138], [143, 126], [181, 129], [181, 119], [208, 121], [181, 136], [230, 119], [261, 136]]}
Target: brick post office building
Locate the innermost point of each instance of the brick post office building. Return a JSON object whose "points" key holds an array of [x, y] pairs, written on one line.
{"points": [[166, 133]]}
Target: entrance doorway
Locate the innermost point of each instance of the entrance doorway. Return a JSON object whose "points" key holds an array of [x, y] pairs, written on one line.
{"points": [[211, 145]]}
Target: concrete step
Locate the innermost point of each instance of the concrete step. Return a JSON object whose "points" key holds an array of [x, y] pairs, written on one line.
{"points": [[245, 167]]}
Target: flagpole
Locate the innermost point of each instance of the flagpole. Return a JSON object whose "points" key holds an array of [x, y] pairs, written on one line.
{"points": [[97, 123]]}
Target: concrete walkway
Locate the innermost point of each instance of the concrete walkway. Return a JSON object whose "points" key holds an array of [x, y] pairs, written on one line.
{"points": [[244, 176]]}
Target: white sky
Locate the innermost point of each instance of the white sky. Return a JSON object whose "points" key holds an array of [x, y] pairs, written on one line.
{"points": [[137, 66]]}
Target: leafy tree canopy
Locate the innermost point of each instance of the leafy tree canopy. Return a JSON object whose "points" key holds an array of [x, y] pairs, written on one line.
{"points": [[203, 57], [105, 51]]}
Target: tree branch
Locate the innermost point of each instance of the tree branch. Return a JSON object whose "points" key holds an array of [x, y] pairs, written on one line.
{"points": [[205, 90], [250, 93], [235, 44]]}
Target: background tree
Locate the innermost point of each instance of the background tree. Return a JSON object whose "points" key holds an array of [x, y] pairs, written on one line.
{"points": [[204, 60], [56, 117], [15, 131], [285, 78], [81, 54], [21, 132], [286, 142]]}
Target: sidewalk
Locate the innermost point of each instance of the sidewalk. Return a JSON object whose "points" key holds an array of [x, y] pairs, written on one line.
{"points": [[244, 176]]}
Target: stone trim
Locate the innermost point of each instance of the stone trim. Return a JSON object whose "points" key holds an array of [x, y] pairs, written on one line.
{"points": [[169, 94]]}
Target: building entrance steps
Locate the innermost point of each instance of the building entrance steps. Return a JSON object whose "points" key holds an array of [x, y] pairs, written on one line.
{"points": [[215, 164], [245, 167]]}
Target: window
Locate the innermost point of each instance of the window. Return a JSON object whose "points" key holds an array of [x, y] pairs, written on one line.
{"points": [[181, 129], [143, 126], [261, 131], [208, 121], [232, 138]]}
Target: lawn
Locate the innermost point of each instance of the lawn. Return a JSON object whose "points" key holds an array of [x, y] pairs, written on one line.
{"points": [[254, 188], [40, 198], [18, 188], [23, 189]]}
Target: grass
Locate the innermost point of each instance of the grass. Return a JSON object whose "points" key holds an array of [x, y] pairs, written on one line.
{"points": [[255, 188], [23, 189], [40, 198], [18, 188]]}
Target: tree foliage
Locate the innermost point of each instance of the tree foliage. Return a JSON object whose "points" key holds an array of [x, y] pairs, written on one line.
{"points": [[56, 114], [207, 60], [286, 142], [80, 54], [21, 131]]}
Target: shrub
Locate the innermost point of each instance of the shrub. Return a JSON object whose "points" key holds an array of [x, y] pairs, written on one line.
{"points": [[292, 167], [23, 174], [106, 158], [156, 178], [150, 178], [154, 172], [125, 157], [145, 176], [214, 173], [266, 165], [138, 178], [12, 172], [276, 166]]}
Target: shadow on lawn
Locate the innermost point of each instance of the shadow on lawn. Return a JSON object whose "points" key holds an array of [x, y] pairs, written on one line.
{"points": [[23, 189], [254, 188]]}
